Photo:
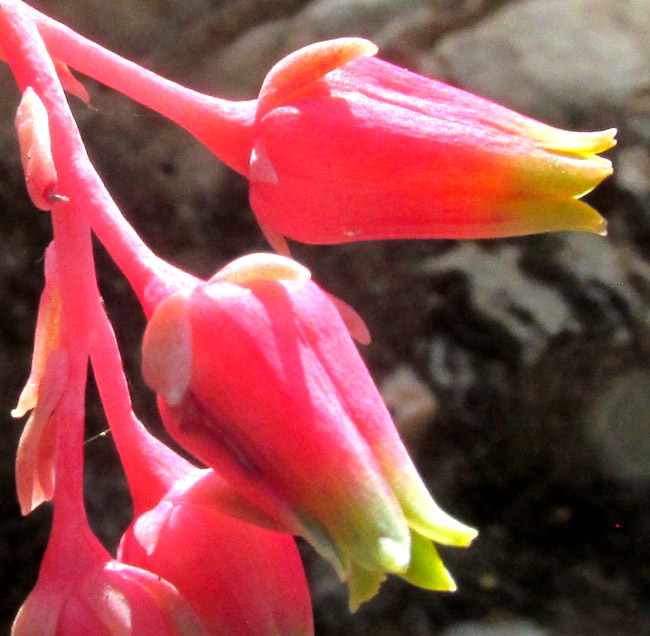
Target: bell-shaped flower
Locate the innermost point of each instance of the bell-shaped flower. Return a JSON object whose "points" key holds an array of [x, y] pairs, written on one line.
{"points": [[341, 146], [100, 596], [251, 581], [239, 579], [348, 147], [258, 377]]}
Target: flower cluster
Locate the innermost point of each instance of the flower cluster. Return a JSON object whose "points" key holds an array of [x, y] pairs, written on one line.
{"points": [[256, 372]]}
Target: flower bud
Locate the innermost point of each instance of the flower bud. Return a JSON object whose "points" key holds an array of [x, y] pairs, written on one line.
{"points": [[251, 581], [105, 599]]}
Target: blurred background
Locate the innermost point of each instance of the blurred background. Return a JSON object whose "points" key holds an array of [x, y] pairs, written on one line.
{"points": [[518, 370]]}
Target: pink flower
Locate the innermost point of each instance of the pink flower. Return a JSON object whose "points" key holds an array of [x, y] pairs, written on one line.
{"points": [[98, 596], [81, 590], [258, 377], [241, 580], [341, 146], [347, 147]]}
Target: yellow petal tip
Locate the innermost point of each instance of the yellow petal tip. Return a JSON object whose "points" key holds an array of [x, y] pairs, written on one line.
{"points": [[580, 143]]}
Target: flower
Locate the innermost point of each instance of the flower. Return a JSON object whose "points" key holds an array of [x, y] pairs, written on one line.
{"points": [[252, 580], [258, 377], [105, 598], [341, 146], [348, 147]]}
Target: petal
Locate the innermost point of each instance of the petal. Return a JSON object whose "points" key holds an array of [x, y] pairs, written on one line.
{"points": [[36, 448], [293, 74], [167, 349], [426, 569], [363, 585], [364, 404], [260, 392]]}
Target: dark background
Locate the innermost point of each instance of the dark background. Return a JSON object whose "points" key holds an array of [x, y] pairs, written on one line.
{"points": [[517, 369]]}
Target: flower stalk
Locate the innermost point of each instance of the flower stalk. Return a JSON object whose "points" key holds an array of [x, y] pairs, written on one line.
{"points": [[341, 146], [255, 370]]}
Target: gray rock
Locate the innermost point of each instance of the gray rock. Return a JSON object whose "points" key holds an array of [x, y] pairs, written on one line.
{"points": [[411, 402], [530, 311], [550, 60], [362, 18], [498, 628], [619, 426]]}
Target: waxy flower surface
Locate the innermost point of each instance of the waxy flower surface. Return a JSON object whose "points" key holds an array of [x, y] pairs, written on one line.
{"points": [[102, 597], [255, 370], [251, 580], [341, 146], [258, 377], [367, 150], [241, 580]]}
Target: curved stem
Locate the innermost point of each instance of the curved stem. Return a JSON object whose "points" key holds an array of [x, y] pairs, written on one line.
{"points": [[225, 127], [151, 467], [151, 277], [82, 193], [32, 66]]}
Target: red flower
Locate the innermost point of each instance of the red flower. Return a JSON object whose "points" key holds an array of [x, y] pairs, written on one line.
{"points": [[93, 594], [341, 146], [258, 377], [358, 150], [241, 580]]}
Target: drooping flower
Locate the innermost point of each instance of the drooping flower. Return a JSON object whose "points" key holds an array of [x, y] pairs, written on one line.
{"points": [[341, 146], [94, 594], [348, 150], [252, 582], [81, 590], [258, 377]]}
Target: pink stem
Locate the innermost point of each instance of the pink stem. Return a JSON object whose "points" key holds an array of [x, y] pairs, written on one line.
{"points": [[81, 304], [151, 468], [225, 127], [32, 66], [82, 310], [151, 277]]}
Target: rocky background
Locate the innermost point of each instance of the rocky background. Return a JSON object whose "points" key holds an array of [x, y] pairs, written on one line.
{"points": [[518, 369]]}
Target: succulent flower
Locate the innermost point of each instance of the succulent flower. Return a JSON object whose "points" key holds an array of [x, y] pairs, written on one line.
{"points": [[258, 377], [100, 596], [251, 580], [341, 146], [189, 520], [348, 147]]}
